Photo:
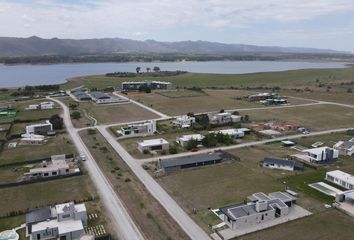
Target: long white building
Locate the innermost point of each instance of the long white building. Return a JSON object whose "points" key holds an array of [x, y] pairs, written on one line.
{"points": [[341, 178], [183, 140], [148, 128]]}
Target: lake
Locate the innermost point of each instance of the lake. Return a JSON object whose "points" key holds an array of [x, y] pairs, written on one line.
{"points": [[21, 75]]}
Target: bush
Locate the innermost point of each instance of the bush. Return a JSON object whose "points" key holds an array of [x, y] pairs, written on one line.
{"points": [[163, 152], [75, 115], [57, 122], [145, 151], [173, 150]]}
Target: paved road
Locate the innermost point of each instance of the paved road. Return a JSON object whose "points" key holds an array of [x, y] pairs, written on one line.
{"points": [[125, 227], [175, 211], [247, 144], [144, 106]]}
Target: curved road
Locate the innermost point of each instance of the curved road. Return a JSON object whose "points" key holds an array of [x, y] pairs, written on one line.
{"points": [[125, 227]]}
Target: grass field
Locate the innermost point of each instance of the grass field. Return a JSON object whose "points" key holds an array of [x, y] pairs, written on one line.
{"points": [[293, 78], [112, 113], [215, 100], [60, 144], [9, 223], [316, 118], [45, 193], [332, 96], [148, 214], [34, 115], [181, 93]]}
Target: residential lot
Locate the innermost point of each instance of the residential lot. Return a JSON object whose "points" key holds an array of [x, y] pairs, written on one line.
{"points": [[316, 118], [60, 144], [214, 100], [148, 214], [108, 113], [230, 183]]}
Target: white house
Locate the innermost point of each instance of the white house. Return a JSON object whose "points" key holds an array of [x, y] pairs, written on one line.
{"points": [[153, 145], [232, 133], [345, 147], [341, 178], [63, 221], [223, 118], [281, 164], [40, 128], [148, 128], [184, 121], [321, 154], [260, 210], [183, 140], [42, 105]]}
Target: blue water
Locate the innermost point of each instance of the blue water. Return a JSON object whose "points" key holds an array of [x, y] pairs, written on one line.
{"points": [[21, 75]]}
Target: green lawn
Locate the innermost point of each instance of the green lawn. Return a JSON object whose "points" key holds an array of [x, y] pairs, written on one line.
{"points": [[293, 78]]}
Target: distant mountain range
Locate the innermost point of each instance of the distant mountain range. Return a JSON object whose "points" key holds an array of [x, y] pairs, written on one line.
{"points": [[35, 46]]}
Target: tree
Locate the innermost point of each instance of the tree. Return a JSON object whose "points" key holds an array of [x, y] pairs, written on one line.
{"points": [[246, 118], [73, 106], [147, 90], [191, 144], [236, 113], [156, 69], [349, 90], [57, 122], [173, 149], [138, 69], [210, 140], [222, 111], [75, 115], [148, 69]]}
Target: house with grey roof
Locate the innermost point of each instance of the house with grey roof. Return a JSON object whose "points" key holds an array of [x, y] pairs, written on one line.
{"points": [[101, 98], [345, 147], [260, 209], [281, 164], [192, 161]]}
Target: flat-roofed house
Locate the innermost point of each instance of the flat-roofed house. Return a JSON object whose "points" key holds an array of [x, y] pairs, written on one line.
{"points": [[341, 178], [147, 128], [200, 160], [223, 118], [345, 147], [184, 121], [40, 128], [261, 209], [63, 221], [81, 95], [128, 86], [232, 133], [42, 105], [322, 154], [183, 140], [153, 145]]}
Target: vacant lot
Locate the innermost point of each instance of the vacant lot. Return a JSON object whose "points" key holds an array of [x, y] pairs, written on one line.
{"points": [[316, 118], [332, 96], [215, 100], [181, 93], [112, 113], [60, 144], [326, 225], [46, 193], [293, 78], [143, 208]]}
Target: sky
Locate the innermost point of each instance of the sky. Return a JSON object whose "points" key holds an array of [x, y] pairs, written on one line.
{"points": [[325, 24]]}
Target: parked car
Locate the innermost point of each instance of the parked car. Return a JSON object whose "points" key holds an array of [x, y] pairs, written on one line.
{"points": [[82, 157]]}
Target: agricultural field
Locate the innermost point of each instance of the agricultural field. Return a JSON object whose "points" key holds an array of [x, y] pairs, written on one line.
{"points": [[315, 118], [110, 113], [143, 208], [60, 144]]}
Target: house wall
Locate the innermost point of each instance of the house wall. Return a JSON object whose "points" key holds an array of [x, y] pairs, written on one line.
{"points": [[48, 233], [339, 181], [251, 220], [73, 235]]}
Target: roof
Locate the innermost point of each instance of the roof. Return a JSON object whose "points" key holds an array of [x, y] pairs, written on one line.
{"points": [[345, 145], [284, 162], [152, 142], [189, 137], [283, 196], [69, 226], [342, 176], [99, 95], [318, 150], [232, 131], [190, 159], [38, 215]]}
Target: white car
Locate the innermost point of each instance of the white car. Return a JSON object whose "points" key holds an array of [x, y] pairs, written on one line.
{"points": [[83, 157]]}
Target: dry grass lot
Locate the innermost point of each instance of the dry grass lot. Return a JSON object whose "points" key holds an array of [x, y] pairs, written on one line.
{"points": [[45, 193], [60, 144], [34, 115], [110, 113], [316, 118], [148, 214], [213, 101]]}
